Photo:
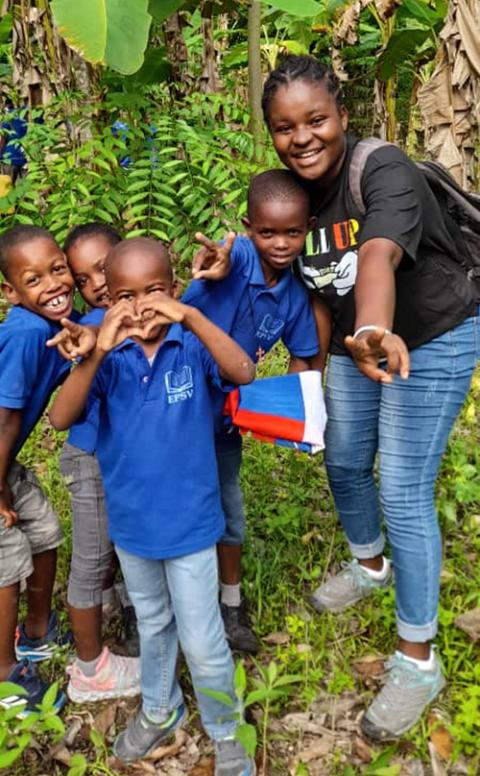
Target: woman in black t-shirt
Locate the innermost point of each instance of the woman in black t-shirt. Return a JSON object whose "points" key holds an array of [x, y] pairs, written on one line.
{"points": [[396, 313]]}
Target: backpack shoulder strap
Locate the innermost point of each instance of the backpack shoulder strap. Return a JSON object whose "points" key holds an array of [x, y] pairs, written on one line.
{"points": [[360, 155]]}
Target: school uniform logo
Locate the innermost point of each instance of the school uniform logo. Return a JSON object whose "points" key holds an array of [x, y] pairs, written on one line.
{"points": [[179, 384], [269, 328]]}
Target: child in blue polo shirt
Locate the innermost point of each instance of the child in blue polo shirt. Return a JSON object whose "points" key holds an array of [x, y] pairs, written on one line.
{"points": [[96, 673], [38, 283], [258, 301], [155, 447]]}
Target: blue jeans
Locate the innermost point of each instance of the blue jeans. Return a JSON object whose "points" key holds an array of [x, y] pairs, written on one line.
{"points": [[228, 449], [407, 423], [176, 600]]}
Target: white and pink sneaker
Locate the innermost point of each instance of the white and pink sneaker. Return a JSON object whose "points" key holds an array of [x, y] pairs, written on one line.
{"points": [[116, 677]]}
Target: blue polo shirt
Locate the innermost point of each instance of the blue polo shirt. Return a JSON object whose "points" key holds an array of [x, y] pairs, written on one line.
{"points": [[156, 447], [253, 314], [83, 433], [29, 371]]}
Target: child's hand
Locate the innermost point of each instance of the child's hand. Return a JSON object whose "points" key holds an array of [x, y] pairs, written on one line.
{"points": [[8, 514], [212, 261], [120, 322], [160, 309], [74, 341]]}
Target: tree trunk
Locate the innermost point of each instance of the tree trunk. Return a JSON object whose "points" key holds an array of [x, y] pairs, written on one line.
{"points": [[210, 79], [177, 54], [255, 78]]}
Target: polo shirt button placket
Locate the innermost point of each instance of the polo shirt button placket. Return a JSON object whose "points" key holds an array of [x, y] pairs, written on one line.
{"points": [[145, 379]]}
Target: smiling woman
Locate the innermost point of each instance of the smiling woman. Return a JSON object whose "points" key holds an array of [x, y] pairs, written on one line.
{"points": [[308, 130], [395, 310]]}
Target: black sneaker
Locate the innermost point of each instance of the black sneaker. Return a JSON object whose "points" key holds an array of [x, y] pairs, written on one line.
{"points": [[130, 630], [238, 630], [141, 736]]}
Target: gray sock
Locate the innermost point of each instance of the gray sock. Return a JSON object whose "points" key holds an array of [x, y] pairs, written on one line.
{"points": [[230, 595], [88, 667]]}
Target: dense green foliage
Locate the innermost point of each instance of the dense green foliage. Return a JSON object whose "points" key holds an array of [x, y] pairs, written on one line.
{"points": [[189, 169]]}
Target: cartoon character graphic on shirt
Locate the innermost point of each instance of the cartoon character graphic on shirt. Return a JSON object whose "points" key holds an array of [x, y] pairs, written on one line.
{"points": [[340, 274]]}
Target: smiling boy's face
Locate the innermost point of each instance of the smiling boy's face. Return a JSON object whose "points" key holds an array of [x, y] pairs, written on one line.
{"points": [[39, 279], [138, 276], [278, 230]]}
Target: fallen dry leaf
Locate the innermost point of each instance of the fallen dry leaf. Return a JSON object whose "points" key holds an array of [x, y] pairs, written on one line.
{"points": [[60, 753], [362, 750], [437, 767], [205, 767], [469, 622], [306, 538], [277, 638], [303, 722], [143, 768], [316, 751], [320, 748], [169, 751], [73, 731], [302, 649], [440, 736], [369, 666], [104, 720]]}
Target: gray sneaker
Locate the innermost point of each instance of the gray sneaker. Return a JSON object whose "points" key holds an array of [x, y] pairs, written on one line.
{"points": [[231, 759], [403, 698], [142, 736], [346, 588]]}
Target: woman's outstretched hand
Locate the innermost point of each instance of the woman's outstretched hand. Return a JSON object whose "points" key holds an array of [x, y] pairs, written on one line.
{"points": [[371, 347], [212, 261]]}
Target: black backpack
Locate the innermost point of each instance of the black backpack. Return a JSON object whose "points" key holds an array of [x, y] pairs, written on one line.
{"points": [[460, 209]]}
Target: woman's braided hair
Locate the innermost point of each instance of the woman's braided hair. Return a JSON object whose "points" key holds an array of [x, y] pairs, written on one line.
{"points": [[301, 68]]}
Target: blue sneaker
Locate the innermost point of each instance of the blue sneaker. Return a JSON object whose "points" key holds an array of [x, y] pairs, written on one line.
{"points": [[403, 698], [25, 675], [36, 650], [142, 736]]}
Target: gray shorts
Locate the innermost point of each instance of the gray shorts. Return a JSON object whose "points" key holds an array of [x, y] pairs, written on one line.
{"points": [[36, 530], [92, 550]]}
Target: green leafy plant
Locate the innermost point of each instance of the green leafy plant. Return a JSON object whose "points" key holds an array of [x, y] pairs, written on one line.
{"points": [[16, 734], [270, 686], [79, 765]]}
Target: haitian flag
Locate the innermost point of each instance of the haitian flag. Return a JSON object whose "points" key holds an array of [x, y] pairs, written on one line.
{"points": [[288, 410]]}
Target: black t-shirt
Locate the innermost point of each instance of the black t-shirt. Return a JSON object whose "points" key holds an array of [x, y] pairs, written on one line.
{"points": [[432, 291]]}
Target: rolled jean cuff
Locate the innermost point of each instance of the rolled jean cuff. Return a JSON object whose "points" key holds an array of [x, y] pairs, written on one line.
{"points": [[417, 633], [365, 551]]}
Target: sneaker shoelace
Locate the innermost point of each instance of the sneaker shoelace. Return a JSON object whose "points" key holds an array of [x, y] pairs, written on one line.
{"points": [[353, 571], [399, 691]]}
